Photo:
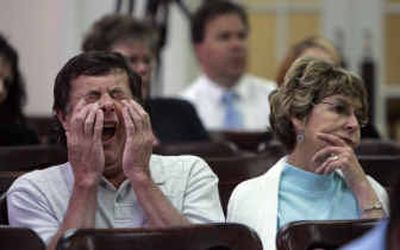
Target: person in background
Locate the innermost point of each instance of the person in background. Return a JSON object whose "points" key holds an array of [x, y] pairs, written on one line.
{"points": [[13, 127], [111, 179], [173, 120], [322, 48], [316, 114], [225, 97], [311, 46]]}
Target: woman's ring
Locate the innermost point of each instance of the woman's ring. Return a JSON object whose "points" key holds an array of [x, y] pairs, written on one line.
{"points": [[334, 157]]}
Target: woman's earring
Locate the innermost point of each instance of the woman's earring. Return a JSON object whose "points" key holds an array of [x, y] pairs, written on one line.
{"points": [[300, 136]]}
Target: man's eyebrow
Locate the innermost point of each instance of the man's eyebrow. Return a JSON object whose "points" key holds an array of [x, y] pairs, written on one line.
{"points": [[116, 87], [92, 91]]}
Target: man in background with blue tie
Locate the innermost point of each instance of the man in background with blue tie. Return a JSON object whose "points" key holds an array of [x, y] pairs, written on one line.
{"points": [[225, 97]]}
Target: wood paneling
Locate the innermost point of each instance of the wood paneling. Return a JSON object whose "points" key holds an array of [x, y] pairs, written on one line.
{"points": [[302, 25], [392, 51], [262, 45]]}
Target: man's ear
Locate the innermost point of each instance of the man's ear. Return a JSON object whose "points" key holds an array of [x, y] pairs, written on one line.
{"points": [[62, 118]]}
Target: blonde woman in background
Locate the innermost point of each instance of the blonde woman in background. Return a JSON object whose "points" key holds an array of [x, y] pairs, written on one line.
{"points": [[322, 48]]}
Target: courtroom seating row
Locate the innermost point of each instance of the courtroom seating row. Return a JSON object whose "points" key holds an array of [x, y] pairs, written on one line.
{"points": [[45, 127], [243, 140], [30, 157], [327, 235], [299, 235], [234, 169], [3, 210], [202, 149], [383, 168], [231, 170], [7, 178], [378, 147], [218, 236], [16, 238], [234, 146], [367, 147], [25, 158]]}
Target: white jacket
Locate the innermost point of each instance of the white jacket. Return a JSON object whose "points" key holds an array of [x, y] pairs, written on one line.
{"points": [[255, 203]]}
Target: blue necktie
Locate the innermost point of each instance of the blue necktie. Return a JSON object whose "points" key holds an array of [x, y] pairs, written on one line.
{"points": [[232, 117]]}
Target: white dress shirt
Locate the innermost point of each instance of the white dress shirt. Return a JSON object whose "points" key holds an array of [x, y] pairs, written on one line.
{"points": [[252, 101]]}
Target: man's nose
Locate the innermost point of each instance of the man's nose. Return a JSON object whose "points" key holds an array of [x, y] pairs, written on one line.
{"points": [[107, 104], [238, 43]]}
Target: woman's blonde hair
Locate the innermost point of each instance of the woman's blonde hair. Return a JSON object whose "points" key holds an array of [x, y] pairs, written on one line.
{"points": [[298, 49]]}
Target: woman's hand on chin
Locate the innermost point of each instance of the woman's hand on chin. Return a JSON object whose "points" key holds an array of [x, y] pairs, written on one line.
{"points": [[337, 154]]}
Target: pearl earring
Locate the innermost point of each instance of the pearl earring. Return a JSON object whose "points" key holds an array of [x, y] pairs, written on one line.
{"points": [[300, 136]]}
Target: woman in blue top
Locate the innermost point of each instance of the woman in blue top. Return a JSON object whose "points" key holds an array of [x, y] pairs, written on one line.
{"points": [[316, 114]]}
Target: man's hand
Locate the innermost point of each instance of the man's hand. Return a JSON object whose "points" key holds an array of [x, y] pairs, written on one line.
{"points": [[85, 148], [135, 163], [139, 141]]}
